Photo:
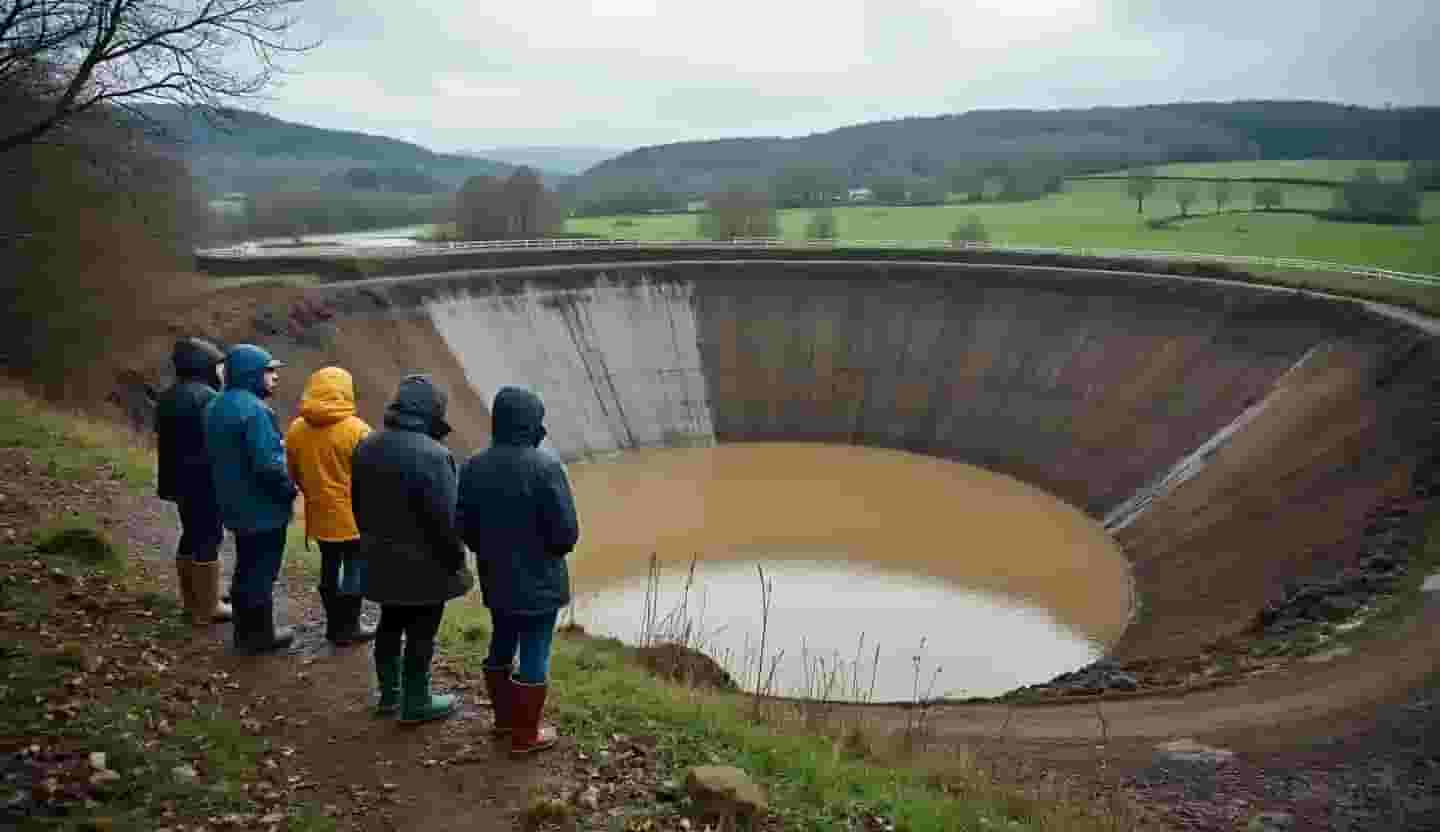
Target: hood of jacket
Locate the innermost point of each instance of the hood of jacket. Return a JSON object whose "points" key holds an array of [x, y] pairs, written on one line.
{"points": [[419, 405], [245, 368], [197, 358], [329, 397], [517, 418]]}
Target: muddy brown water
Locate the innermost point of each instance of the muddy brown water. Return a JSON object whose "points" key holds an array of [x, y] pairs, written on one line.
{"points": [[861, 547]]}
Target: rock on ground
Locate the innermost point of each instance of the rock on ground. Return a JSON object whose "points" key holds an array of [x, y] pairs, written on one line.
{"points": [[725, 790]]}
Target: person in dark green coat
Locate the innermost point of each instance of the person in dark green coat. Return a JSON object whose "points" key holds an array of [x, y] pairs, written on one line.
{"points": [[516, 513], [403, 486]]}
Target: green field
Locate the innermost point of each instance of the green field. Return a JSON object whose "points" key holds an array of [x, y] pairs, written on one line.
{"points": [[1099, 214]]}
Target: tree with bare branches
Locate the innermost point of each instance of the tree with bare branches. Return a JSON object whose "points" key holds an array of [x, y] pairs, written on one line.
{"points": [[60, 59]]}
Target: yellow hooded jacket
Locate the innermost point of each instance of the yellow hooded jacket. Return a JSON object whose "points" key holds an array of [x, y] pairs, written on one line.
{"points": [[318, 447]]}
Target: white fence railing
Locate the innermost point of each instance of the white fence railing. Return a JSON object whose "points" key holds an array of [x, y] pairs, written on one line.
{"points": [[424, 249]]}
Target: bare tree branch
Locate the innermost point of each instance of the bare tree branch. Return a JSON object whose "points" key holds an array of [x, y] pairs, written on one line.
{"points": [[61, 58]]}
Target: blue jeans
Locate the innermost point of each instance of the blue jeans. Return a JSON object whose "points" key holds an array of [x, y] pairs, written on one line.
{"points": [[530, 635], [257, 564], [342, 570]]}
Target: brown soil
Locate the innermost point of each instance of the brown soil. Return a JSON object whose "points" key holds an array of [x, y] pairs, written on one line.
{"points": [[1212, 553]]}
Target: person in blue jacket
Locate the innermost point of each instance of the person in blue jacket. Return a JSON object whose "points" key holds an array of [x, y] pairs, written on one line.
{"points": [[516, 513], [253, 490]]}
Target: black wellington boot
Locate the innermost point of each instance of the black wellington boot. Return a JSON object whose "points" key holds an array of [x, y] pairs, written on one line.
{"points": [[349, 629], [330, 602], [260, 633]]}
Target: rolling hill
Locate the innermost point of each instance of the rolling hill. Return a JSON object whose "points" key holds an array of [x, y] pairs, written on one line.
{"points": [[1086, 140], [248, 151]]}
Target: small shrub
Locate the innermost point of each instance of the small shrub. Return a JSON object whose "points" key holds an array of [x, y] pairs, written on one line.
{"points": [[1269, 197], [822, 225], [83, 543], [543, 811], [970, 231]]}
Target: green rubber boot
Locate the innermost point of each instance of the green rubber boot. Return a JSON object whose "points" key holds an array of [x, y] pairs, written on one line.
{"points": [[419, 704], [387, 674]]}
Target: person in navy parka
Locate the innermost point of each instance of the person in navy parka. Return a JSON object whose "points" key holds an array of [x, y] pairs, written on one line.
{"points": [[253, 490], [516, 513], [185, 476]]}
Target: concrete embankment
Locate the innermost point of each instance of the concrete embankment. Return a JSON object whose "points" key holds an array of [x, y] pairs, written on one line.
{"points": [[1245, 432]]}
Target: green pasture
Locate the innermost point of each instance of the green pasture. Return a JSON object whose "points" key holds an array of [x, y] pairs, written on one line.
{"points": [[1100, 214]]}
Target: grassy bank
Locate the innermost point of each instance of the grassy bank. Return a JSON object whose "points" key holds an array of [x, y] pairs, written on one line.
{"points": [[103, 724], [74, 689], [72, 446], [821, 773]]}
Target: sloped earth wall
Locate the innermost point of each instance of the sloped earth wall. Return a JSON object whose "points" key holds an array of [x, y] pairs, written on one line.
{"points": [[1234, 437]]}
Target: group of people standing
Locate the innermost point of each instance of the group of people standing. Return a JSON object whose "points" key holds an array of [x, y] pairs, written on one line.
{"points": [[392, 514]]}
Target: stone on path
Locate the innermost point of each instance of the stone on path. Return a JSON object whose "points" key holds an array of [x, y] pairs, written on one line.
{"points": [[1271, 822], [1329, 655], [725, 790]]}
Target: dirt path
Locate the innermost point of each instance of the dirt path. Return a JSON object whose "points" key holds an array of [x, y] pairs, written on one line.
{"points": [[1297, 702], [368, 773], [374, 774]]}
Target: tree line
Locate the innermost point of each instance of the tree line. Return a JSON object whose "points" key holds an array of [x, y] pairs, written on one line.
{"points": [[1364, 197], [1368, 198], [816, 185]]}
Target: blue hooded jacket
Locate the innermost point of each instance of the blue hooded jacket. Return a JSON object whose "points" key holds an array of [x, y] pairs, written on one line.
{"points": [[516, 513], [247, 456]]}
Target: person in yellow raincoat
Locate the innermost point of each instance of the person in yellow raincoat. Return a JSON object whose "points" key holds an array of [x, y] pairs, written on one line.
{"points": [[318, 447]]}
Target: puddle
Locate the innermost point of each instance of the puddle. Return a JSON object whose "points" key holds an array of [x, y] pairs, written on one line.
{"points": [[841, 630], [863, 547]]}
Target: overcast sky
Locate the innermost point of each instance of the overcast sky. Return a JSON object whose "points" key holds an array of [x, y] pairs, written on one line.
{"points": [[460, 74]]}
